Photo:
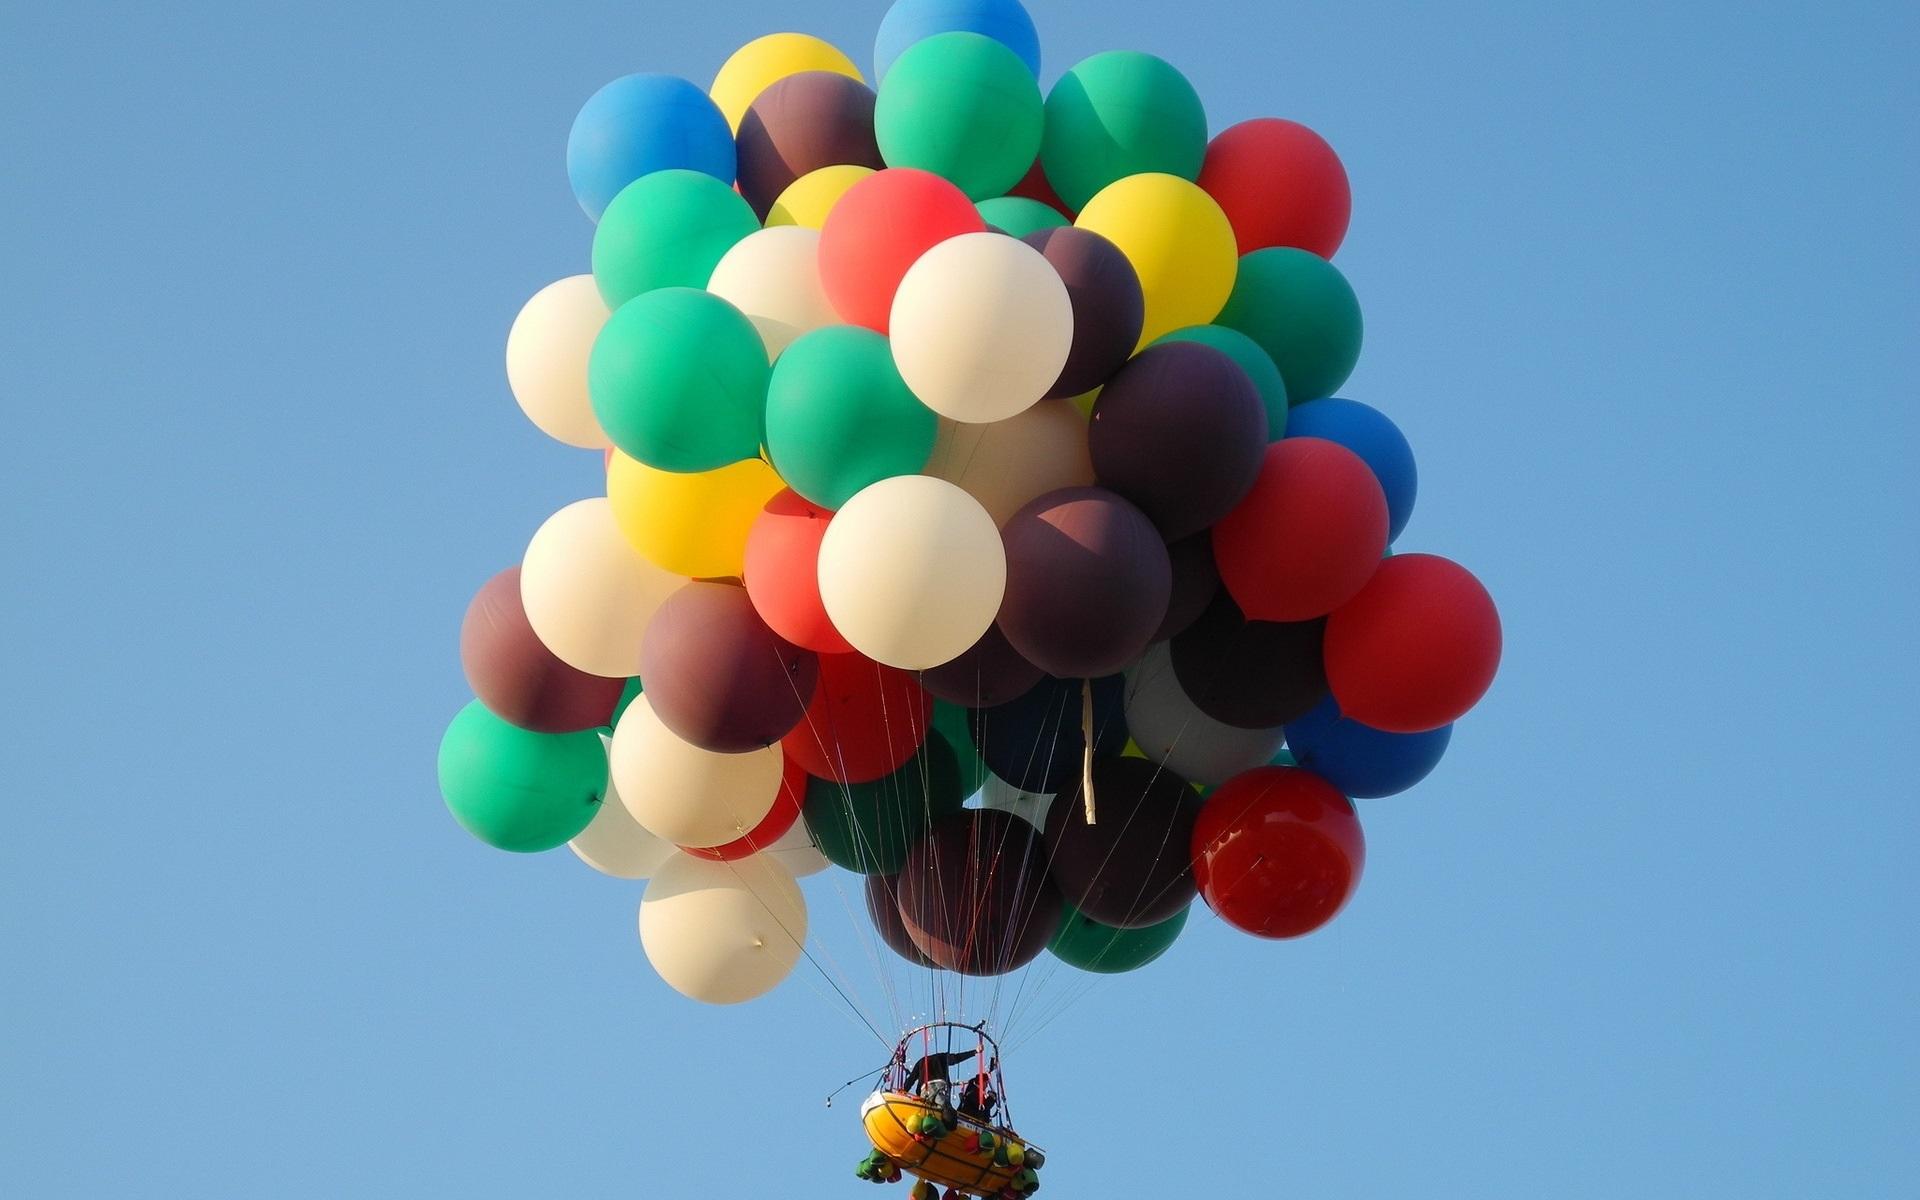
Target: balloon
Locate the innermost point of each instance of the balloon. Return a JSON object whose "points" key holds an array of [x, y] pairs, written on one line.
{"points": [[718, 677], [1307, 537], [638, 125], [723, 932], [802, 123], [990, 672], [869, 827], [879, 228], [1179, 243], [547, 352], [1035, 187], [690, 796], [865, 721], [1302, 311], [1018, 216], [974, 895], [773, 276], [1107, 305], [1416, 648], [517, 677], [693, 525], [1280, 184], [515, 789], [1085, 943], [668, 229], [1171, 730], [613, 843], [1250, 674], [1379, 443], [1180, 431], [1036, 742], [954, 723], [782, 573], [912, 571], [679, 378], [1132, 867], [885, 914], [772, 829], [964, 107], [764, 61], [839, 418], [1087, 582], [981, 327], [1277, 851], [587, 594], [911, 21], [809, 199], [1363, 762], [1196, 581], [1118, 114], [1252, 359], [1007, 464]]}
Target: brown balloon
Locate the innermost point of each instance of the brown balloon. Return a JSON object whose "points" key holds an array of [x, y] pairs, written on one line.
{"points": [[1087, 582], [1250, 674], [799, 124], [881, 890], [991, 672], [718, 677], [975, 896], [1196, 581], [1133, 867], [519, 679], [1108, 306]]}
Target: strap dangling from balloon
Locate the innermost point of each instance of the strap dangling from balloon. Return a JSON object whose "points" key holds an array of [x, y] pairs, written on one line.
{"points": [[1086, 733]]}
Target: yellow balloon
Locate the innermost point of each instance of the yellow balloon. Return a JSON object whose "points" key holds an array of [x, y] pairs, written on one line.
{"points": [[1179, 242], [691, 524], [809, 199], [767, 60]]}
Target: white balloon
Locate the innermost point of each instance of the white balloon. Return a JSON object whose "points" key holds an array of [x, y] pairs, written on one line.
{"points": [[773, 276], [798, 852], [689, 796], [1170, 729], [912, 571], [1007, 463], [1031, 807], [588, 593], [547, 351], [615, 844], [981, 327], [723, 932]]}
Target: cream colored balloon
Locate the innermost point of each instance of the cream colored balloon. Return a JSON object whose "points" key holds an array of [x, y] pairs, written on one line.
{"points": [[912, 571], [1005, 464], [547, 351], [981, 327], [773, 276], [588, 593], [1169, 729], [723, 932], [798, 852], [615, 844], [689, 796]]}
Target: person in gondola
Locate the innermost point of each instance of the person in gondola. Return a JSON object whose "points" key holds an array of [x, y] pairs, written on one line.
{"points": [[929, 1079], [976, 1096]]}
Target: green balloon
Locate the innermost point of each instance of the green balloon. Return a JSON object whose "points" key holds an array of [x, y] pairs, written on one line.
{"points": [[1118, 114], [951, 722], [1018, 216], [1302, 311], [667, 229], [869, 827], [964, 107], [628, 695], [518, 790], [1252, 359], [678, 378], [1085, 943], [839, 417]]}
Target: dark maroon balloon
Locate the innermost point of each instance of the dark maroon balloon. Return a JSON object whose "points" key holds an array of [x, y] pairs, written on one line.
{"points": [[1133, 866], [1250, 674], [1181, 432], [991, 672], [802, 123], [1108, 307], [881, 890], [1087, 582], [1196, 581], [718, 677], [517, 677], [975, 896]]}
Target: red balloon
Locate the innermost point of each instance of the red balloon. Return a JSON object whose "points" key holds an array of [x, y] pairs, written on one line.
{"points": [[865, 721], [782, 576], [772, 827], [880, 228], [1277, 851], [1035, 186], [1308, 536], [517, 677], [1416, 648], [1280, 184]]}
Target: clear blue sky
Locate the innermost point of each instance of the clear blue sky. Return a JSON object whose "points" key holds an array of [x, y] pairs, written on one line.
{"points": [[1642, 286]]}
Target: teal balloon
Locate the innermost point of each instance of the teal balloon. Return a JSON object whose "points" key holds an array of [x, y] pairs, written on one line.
{"points": [[678, 379], [628, 695], [1118, 114], [1018, 216], [1257, 363], [964, 107], [1303, 313], [952, 722], [869, 827], [1085, 943], [839, 417], [518, 790], [667, 229]]}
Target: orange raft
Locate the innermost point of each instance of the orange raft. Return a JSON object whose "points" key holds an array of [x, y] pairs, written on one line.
{"points": [[967, 1155]]}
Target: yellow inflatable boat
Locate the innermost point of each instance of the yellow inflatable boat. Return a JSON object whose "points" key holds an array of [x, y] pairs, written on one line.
{"points": [[953, 1134]]}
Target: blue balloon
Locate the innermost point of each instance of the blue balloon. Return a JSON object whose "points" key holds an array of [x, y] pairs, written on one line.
{"points": [[1035, 743], [1367, 432], [640, 124], [1363, 762], [909, 21]]}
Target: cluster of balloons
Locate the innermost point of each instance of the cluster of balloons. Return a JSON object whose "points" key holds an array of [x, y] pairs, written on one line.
{"points": [[969, 446]]}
